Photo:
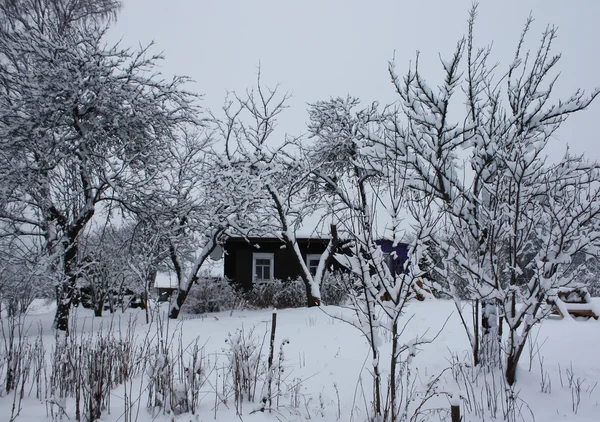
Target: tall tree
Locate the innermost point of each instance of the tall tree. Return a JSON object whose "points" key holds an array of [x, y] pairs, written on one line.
{"points": [[279, 166], [358, 176], [196, 200], [516, 214], [81, 123]]}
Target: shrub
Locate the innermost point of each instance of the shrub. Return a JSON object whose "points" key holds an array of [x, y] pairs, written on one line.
{"points": [[292, 293], [211, 295], [277, 294], [334, 289]]}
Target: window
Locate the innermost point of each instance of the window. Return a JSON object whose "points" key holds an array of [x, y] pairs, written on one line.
{"points": [[262, 267], [312, 262]]}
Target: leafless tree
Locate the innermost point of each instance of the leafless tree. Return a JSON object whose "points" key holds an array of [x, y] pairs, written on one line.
{"points": [[518, 214], [285, 199], [81, 124]]}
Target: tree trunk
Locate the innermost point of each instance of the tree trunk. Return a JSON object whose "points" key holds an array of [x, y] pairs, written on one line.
{"points": [[313, 301], [98, 307], [512, 361], [63, 306], [332, 248], [65, 289], [179, 301], [64, 299], [515, 346], [476, 333], [111, 302], [489, 352], [310, 299], [151, 282], [393, 366], [183, 293]]}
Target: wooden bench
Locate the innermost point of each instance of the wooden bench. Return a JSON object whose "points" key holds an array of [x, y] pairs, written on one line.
{"points": [[572, 301]]}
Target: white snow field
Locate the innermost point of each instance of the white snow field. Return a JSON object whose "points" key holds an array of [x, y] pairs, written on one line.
{"points": [[321, 367]]}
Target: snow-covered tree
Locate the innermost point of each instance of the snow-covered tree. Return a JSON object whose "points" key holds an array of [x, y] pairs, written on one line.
{"points": [[22, 275], [110, 258], [278, 164], [81, 123], [100, 272], [147, 251], [194, 202], [358, 176], [516, 220]]}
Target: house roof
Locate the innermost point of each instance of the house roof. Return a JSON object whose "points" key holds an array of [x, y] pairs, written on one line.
{"points": [[271, 239], [168, 279]]}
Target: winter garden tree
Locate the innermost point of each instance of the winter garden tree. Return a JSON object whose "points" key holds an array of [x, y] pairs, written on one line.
{"points": [[516, 219], [228, 179], [357, 178], [247, 129], [104, 273], [119, 260], [82, 124], [22, 278], [197, 199], [147, 251], [96, 273]]}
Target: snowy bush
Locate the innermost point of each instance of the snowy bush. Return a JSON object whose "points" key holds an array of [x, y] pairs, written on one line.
{"points": [[333, 288], [215, 295], [246, 364], [277, 294], [211, 295]]}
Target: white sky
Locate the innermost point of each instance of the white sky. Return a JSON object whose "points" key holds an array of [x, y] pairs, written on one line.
{"points": [[317, 49]]}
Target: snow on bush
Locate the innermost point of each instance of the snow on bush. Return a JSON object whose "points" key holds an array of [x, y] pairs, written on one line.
{"points": [[211, 295], [333, 288], [277, 294]]}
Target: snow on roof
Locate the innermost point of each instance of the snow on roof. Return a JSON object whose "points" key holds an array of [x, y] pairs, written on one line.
{"points": [[317, 225], [168, 279]]}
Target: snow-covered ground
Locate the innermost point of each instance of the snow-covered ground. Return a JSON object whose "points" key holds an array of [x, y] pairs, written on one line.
{"points": [[325, 360]]}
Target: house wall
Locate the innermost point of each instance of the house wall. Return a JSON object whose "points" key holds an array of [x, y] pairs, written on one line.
{"points": [[396, 264], [238, 258], [387, 246]]}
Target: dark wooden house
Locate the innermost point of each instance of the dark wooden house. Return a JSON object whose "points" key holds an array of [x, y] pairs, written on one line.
{"points": [[261, 260]]}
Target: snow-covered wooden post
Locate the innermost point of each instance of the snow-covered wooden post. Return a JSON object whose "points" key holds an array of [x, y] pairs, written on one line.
{"points": [[455, 407], [271, 347], [455, 413]]}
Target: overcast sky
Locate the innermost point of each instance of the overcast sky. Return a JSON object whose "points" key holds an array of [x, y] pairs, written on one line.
{"points": [[317, 49]]}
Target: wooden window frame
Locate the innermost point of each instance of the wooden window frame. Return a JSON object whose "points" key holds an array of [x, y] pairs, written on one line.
{"points": [[263, 255]]}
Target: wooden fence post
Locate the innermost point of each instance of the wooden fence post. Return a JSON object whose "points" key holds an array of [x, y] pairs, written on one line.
{"points": [[455, 413], [271, 347]]}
